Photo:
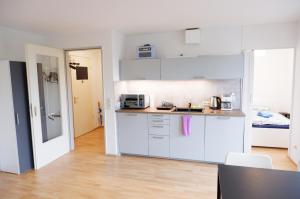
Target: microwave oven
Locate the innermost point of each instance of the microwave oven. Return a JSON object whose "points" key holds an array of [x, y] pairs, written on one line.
{"points": [[135, 101]]}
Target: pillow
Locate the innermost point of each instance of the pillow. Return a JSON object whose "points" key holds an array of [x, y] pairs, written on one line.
{"points": [[260, 108]]}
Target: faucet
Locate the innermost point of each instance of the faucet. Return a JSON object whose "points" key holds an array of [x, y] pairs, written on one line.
{"points": [[190, 105]]}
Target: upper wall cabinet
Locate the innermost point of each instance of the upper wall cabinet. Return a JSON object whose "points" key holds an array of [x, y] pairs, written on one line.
{"points": [[140, 69], [208, 67]]}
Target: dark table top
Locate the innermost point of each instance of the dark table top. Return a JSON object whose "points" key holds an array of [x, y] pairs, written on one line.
{"points": [[253, 183]]}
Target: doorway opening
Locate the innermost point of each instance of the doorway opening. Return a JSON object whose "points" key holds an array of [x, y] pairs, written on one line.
{"points": [[85, 70], [272, 103]]}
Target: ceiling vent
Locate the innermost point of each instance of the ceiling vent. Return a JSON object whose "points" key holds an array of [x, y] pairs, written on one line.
{"points": [[192, 36]]}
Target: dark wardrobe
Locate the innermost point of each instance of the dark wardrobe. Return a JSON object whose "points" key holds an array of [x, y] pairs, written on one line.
{"points": [[16, 154]]}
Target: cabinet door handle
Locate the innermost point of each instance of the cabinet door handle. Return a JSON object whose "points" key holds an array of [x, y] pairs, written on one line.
{"points": [[157, 137], [30, 110], [156, 126], [140, 78], [17, 119], [198, 77], [157, 121], [223, 118], [131, 114], [157, 115]]}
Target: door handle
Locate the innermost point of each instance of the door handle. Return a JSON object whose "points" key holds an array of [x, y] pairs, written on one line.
{"points": [[75, 100], [17, 119]]}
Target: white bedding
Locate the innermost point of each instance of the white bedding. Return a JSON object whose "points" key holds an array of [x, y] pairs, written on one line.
{"points": [[276, 119]]}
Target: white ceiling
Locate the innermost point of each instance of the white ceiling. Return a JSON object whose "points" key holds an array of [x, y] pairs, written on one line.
{"points": [[140, 16]]}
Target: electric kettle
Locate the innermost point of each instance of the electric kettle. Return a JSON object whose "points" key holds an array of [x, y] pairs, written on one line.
{"points": [[215, 102]]}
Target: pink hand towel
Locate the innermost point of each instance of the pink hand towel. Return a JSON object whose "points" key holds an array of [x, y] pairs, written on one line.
{"points": [[186, 120]]}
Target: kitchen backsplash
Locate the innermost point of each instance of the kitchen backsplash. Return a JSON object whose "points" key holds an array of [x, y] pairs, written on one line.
{"points": [[180, 93]]}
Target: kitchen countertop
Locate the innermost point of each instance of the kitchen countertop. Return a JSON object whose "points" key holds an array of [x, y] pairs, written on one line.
{"points": [[209, 112]]}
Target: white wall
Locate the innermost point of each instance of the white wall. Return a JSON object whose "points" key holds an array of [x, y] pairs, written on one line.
{"points": [[270, 36], [273, 79], [12, 43], [295, 122], [219, 40]]}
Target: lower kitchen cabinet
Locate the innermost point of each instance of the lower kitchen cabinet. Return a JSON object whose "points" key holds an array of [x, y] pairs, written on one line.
{"points": [[161, 135], [159, 146], [133, 133], [159, 131], [187, 147], [223, 135]]}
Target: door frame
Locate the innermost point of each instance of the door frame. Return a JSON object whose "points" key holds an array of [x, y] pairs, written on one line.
{"points": [[70, 93], [247, 98]]}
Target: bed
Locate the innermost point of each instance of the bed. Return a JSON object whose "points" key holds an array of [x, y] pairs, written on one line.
{"points": [[273, 131]]}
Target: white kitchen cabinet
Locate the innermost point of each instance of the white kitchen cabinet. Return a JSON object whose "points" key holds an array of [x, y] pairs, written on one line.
{"points": [[203, 67], [140, 69], [159, 131], [222, 135], [187, 147], [159, 146], [133, 133]]}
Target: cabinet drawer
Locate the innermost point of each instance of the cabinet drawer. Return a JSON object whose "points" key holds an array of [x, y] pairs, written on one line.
{"points": [[159, 146], [158, 117], [159, 129], [159, 122]]}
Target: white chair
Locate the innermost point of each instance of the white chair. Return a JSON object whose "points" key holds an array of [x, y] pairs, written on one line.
{"points": [[249, 160]]}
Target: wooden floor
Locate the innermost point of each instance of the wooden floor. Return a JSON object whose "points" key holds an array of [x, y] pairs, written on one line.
{"points": [[88, 173], [279, 157]]}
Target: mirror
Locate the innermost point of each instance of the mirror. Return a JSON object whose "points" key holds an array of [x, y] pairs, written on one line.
{"points": [[49, 96]]}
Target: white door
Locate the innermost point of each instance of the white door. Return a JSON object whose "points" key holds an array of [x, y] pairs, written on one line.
{"points": [[82, 99], [48, 100]]}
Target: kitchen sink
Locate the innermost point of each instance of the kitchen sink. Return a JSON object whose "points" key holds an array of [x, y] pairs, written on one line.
{"points": [[180, 109]]}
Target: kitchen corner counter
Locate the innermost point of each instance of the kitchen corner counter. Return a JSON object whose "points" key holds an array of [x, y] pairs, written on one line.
{"points": [[233, 113]]}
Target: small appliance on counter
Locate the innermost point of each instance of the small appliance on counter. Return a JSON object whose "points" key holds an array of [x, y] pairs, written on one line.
{"points": [[226, 102], [215, 103], [134, 101], [165, 106]]}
